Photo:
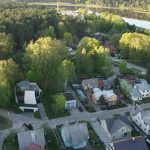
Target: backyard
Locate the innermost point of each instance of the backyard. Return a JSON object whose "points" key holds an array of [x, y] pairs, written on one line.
{"points": [[5, 123]]}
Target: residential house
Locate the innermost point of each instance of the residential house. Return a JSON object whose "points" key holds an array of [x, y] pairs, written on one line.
{"points": [[110, 97], [141, 118], [32, 139], [97, 93], [140, 90], [27, 95], [75, 136], [90, 83], [136, 143], [71, 102], [117, 127]]}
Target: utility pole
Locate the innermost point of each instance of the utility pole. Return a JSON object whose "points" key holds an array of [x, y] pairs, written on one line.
{"points": [[58, 4]]}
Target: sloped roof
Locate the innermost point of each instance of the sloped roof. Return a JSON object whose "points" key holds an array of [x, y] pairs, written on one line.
{"points": [[135, 92], [138, 143], [27, 138], [143, 86], [115, 123], [75, 135], [146, 116], [26, 85], [98, 93]]}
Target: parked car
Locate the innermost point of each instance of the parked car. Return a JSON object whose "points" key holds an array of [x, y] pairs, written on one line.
{"points": [[80, 109]]}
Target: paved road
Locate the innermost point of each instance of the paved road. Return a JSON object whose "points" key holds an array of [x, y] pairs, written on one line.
{"points": [[131, 65], [18, 119]]}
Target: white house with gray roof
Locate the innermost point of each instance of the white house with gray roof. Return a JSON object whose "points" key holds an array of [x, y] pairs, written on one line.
{"points": [[117, 127], [140, 91], [141, 118]]}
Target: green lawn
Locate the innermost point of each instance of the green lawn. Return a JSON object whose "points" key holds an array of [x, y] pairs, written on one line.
{"points": [[94, 140], [37, 115], [11, 142], [49, 104], [51, 140], [5, 123]]}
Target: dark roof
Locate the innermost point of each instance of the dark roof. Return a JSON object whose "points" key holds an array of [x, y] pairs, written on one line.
{"points": [[138, 143], [69, 96], [115, 123]]}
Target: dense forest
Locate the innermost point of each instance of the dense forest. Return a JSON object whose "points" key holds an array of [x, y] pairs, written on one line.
{"points": [[34, 43]]}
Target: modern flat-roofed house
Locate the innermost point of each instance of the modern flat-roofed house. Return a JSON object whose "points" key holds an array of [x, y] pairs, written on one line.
{"points": [[136, 143], [110, 97], [141, 118], [75, 136], [27, 95], [117, 127], [31, 140], [71, 102]]}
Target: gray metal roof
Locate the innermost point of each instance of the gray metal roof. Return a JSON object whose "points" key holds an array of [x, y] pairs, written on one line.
{"points": [[137, 143], [143, 86], [26, 85], [32, 136], [135, 92], [117, 122], [75, 134], [146, 116]]}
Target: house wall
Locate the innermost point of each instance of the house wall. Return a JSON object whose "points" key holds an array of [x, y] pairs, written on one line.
{"points": [[71, 104], [138, 120], [145, 93], [32, 108], [135, 98], [121, 133]]}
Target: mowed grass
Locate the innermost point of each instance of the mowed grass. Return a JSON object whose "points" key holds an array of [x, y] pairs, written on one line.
{"points": [[11, 142], [5, 123]]}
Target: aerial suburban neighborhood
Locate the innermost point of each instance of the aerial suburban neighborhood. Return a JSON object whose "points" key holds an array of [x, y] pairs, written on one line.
{"points": [[74, 75]]}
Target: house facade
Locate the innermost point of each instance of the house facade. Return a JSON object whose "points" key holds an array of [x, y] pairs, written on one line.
{"points": [[142, 119], [97, 93], [71, 102], [140, 91], [110, 97], [117, 127], [27, 95]]}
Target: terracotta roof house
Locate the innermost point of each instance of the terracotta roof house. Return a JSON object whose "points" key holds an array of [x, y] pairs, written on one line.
{"points": [[31, 140], [117, 127], [27, 95], [136, 143], [75, 135]]}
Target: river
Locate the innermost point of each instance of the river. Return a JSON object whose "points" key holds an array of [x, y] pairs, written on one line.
{"points": [[139, 23]]}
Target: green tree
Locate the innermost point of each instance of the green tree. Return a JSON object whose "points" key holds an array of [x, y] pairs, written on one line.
{"points": [[68, 38], [6, 45], [60, 103], [62, 29], [67, 71], [50, 32], [43, 59]]}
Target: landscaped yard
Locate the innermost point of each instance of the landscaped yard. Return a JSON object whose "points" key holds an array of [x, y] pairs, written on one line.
{"points": [[51, 140], [50, 109], [37, 115], [5, 123], [11, 142], [94, 140]]}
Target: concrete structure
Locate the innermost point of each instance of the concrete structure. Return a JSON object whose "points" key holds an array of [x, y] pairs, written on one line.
{"points": [[136, 143], [141, 118], [116, 127], [31, 138], [75, 136], [27, 95], [110, 97], [71, 102]]}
